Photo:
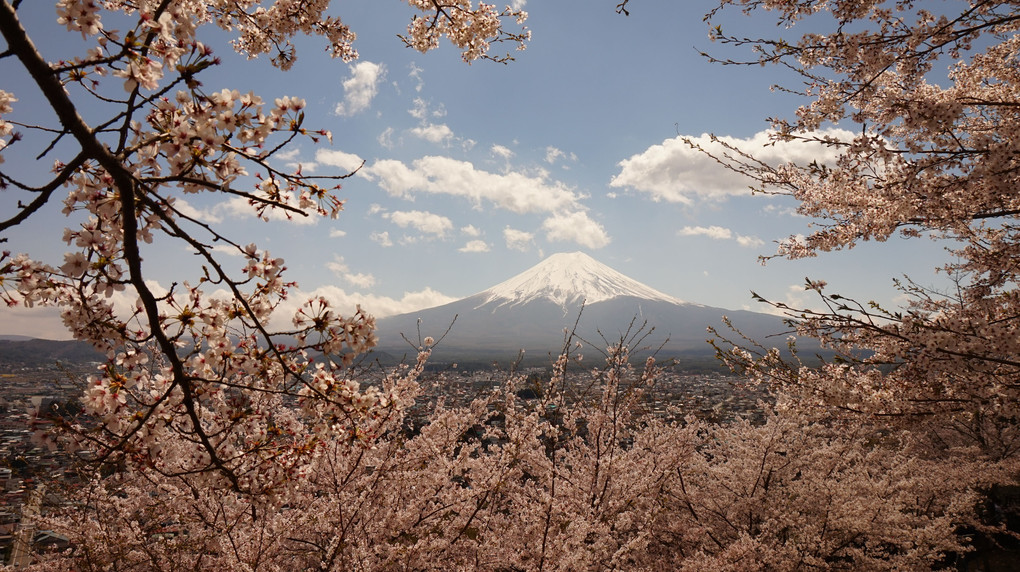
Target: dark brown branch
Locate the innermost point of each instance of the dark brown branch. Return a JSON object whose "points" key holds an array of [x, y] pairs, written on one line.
{"points": [[124, 182], [44, 193]]}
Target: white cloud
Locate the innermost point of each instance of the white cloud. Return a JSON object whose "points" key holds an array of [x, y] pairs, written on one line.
{"points": [[360, 88], [41, 322], [292, 160], [359, 279], [513, 191], [502, 152], [720, 233], [552, 154], [238, 207], [475, 246], [518, 239], [337, 233], [433, 132], [423, 221], [409, 302], [674, 172], [347, 161], [385, 138], [750, 241], [796, 297], [346, 303], [420, 110], [224, 249], [716, 232], [46, 323], [576, 227], [517, 4], [415, 74], [782, 210], [287, 155], [383, 238], [470, 230], [186, 209]]}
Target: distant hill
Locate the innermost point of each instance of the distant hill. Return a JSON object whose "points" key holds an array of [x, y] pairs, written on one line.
{"points": [[41, 353]]}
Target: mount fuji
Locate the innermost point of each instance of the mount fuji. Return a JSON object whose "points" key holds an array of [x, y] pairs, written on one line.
{"points": [[532, 310]]}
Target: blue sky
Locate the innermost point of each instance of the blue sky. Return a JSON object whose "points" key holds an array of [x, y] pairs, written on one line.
{"points": [[474, 173]]}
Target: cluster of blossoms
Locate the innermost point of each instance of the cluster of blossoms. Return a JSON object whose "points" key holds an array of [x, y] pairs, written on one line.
{"points": [[25, 281], [171, 26], [471, 29], [937, 156], [79, 16], [593, 483], [189, 369], [6, 99]]}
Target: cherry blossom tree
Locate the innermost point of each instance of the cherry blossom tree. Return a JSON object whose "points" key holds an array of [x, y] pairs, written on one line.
{"points": [[933, 94], [222, 444], [185, 366], [590, 482], [935, 158], [196, 387]]}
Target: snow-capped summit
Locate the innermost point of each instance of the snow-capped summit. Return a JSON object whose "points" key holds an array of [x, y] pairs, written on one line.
{"points": [[567, 279], [533, 310]]}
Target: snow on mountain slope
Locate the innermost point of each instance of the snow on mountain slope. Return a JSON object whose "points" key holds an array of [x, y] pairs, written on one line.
{"points": [[532, 310], [567, 279]]}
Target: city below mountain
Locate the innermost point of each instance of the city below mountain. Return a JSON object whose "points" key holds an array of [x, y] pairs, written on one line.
{"points": [[535, 309]]}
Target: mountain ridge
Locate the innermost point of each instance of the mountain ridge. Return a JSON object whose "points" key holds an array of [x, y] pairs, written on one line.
{"points": [[533, 311]]}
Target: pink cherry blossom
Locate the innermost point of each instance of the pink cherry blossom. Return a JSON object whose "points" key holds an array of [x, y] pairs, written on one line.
{"points": [[223, 444]]}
